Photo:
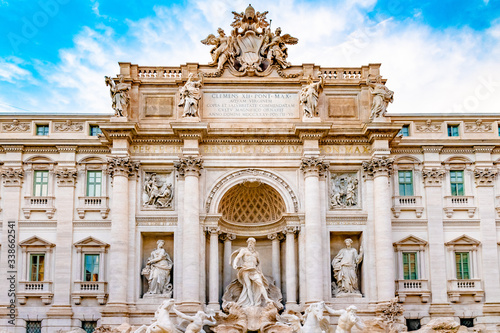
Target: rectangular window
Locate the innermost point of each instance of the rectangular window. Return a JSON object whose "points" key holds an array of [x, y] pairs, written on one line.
{"points": [[95, 130], [89, 326], [453, 130], [33, 327], [41, 183], [410, 265], [94, 183], [42, 129], [37, 267], [457, 182], [462, 261], [91, 267], [405, 182], [405, 130]]}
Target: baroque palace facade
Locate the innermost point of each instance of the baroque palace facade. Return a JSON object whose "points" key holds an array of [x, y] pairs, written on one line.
{"points": [[203, 157]]}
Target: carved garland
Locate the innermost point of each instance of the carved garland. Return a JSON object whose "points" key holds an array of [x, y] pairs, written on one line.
{"points": [[253, 172]]}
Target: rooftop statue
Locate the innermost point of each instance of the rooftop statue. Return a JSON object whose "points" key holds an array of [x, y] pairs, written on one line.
{"points": [[190, 96], [252, 48], [381, 97], [120, 98], [309, 95]]}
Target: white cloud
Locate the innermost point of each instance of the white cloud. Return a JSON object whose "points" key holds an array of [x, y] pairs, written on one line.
{"points": [[11, 70], [429, 71]]}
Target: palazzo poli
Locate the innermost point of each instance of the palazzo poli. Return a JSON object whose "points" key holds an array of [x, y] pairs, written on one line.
{"points": [[270, 196]]}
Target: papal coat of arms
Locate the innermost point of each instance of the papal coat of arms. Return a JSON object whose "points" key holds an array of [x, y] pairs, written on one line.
{"points": [[252, 48]]}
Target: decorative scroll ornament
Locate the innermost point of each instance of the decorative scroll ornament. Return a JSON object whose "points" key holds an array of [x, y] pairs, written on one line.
{"points": [[122, 166], [68, 126], [428, 127], [252, 48], [312, 165], [433, 177], [382, 96], [485, 176], [190, 96], [189, 165], [16, 126], [120, 99], [309, 95], [12, 176], [378, 165], [344, 191], [477, 127], [158, 192], [65, 176]]}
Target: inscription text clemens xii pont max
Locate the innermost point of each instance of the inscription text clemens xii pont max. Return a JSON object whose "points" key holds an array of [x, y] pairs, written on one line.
{"points": [[251, 105]]}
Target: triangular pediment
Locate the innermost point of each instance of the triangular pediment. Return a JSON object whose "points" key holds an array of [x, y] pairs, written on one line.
{"points": [[463, 240], [36, 241], [410, 240], [91, 242]]}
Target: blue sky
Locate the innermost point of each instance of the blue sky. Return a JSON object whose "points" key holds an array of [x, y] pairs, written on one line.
{"points": [[438, 56]]}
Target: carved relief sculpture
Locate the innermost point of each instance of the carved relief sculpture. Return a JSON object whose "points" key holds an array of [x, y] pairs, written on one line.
{"points": [[190, 96], [157, 191], [381, 97], [251, 48], [16, 126], [344, 191], [157, 271], [428, 127], [309, 96], [477, 127], [120, 98], [68, 126], [345, 265]]}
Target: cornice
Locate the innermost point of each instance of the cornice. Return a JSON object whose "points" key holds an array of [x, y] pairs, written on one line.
{"points": [[13, 148], [311, 131], [457, 150], [40, 150], [68, 149], [187, 130], [93, 150], [137, 141], [407, 150], [156, 220]]}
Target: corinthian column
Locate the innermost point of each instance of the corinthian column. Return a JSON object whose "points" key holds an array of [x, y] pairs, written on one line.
{"points": [[312, 166], [119, 168], [190, 167], [213, 277], [227, 270], [275, 243], [486, 202], [380, 168], [291, 268]]}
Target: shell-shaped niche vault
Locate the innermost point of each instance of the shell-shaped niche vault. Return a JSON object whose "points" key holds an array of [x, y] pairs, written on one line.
{"points": [[252, 202]]}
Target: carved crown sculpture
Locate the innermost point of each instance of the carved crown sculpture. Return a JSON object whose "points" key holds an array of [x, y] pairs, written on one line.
{"points": [[251, 48]]}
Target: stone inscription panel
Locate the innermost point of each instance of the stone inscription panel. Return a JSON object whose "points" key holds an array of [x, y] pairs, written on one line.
{"points": [[159, 106], [342, 107], [250, 105]]}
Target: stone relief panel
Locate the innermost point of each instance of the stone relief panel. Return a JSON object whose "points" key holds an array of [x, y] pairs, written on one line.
{"points": [[342, 107], [344, 190], [158, 190], [159, 106], [478, 127], [16, 126], [68, 126]]}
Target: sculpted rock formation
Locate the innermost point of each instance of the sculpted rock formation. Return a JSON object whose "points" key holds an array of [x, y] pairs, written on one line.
{"points": [[157, 271]]}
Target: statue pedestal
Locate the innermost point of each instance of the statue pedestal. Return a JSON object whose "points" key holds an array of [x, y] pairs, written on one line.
{"points": [[190, 119], [306, 119], [116, 119], [155, 298], [347, 295]]}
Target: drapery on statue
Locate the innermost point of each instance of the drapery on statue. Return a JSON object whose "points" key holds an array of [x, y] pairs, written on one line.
{"points": [[381, 97], [223, 49], [197, 321], [158, 192], [190, 96], [309, 95], [120, 98], [157, 271], [345, 266], [275, 47], [250, 276]]}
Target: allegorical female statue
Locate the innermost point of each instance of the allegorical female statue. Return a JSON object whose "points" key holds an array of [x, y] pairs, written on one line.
{"points": [[309, 96], [250, 276], [120, 98], [381, 97], [190, 95], [157, 271], [345, 266]]}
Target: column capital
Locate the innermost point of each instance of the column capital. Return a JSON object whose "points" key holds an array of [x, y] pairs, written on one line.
{"points": [[66, 176], [378, 166], [122, 166], [314, 166], [12, 176], [275, 236], [189, 166], [485, 176], [227, 237], [212, 229], [433, 176], [291, 229]]}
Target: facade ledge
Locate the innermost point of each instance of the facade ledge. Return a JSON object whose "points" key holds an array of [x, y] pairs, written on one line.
{"points": [[457, 288], [497, 205], [42, 289], [459, 203], [91, 289], [406, 288], [407, 203], [93, 204], [39, 204]]}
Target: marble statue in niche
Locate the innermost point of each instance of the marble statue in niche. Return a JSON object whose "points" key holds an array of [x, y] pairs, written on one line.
{"points": [[157, 191], [345, 267], [309, 95], [157, 271], [344, 190], [120, 98], [381, 97], [190, 95]]}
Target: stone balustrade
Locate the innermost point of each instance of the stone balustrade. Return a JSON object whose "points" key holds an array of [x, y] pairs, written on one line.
{"points": [[406, 288], [93, 204], [459, 203], [39, 204], [96, 289], [459, 287], [407, 203], [42, 289]]}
